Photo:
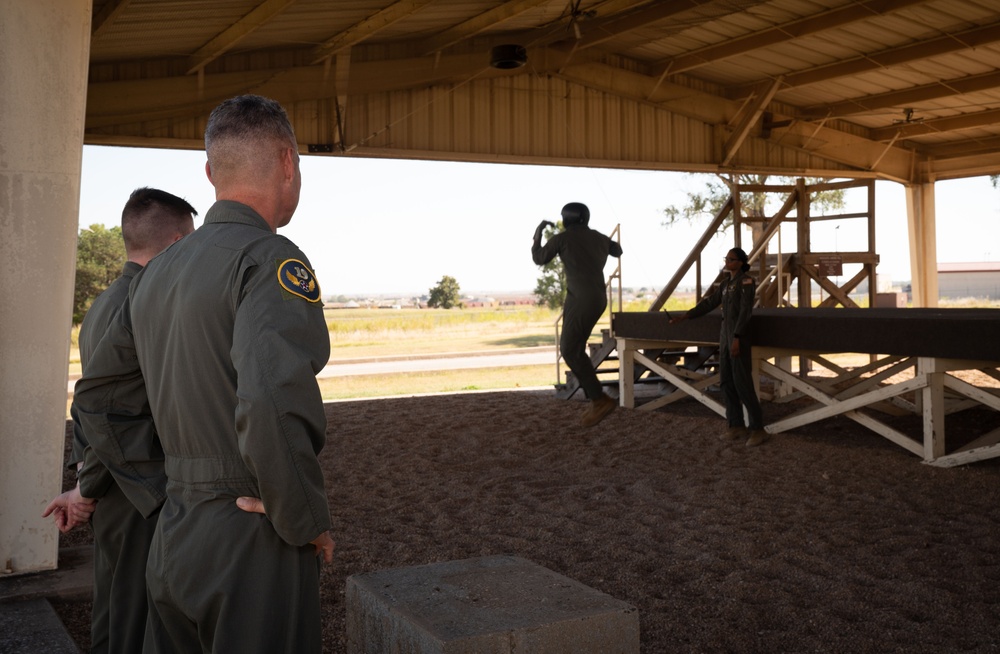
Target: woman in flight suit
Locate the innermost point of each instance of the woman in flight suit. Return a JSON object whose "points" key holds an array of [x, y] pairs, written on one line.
{"points": [[736, 295]]}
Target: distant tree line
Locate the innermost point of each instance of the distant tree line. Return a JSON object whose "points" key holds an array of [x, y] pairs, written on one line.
{"points": [[100, 257]]}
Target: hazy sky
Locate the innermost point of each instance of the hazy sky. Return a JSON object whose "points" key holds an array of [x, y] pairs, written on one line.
{"points": [[379, 226]]}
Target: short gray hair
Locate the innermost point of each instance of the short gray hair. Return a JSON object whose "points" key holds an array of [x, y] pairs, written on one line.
{"points": [[248, 118]]}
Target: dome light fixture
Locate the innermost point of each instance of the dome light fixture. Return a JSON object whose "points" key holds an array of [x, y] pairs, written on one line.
{"points": [[506, 57]]}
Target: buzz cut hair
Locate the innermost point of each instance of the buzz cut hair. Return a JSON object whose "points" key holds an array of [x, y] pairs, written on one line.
{"points": [[152, 218]]}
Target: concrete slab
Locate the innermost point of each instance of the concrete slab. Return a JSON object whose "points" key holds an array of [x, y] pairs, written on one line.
{"points": [[494, 605], [73, 579], [32, 626]]}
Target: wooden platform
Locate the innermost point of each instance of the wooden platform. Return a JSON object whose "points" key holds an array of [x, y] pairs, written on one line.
{"points": [[924, 346]]}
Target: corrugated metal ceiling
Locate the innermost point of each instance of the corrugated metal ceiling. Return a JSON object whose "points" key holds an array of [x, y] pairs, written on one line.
{"points": [[920, 77]]}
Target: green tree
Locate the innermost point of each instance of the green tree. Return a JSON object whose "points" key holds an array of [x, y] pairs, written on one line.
{"points": [[550, 289], [717, 191], [446, 294], [100, 256]]}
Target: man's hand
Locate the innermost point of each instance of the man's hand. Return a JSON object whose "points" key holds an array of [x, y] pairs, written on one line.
{"points": [[734, 347], [324, 546], [70, 509], [250, 504], [541, 228], [323, 543], [679, 318]]}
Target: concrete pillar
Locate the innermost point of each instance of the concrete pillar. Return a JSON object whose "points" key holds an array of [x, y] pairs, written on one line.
{"points": [[44, 52], [921, 224]]}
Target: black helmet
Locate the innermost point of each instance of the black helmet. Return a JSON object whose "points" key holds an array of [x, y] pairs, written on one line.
{"points": [[575, 213]]}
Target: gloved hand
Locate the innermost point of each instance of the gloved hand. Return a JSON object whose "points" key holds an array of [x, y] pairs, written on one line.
{"points": [[541, 228]]}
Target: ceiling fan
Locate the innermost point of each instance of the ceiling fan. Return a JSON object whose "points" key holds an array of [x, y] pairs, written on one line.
{"points": [[907, 118]]}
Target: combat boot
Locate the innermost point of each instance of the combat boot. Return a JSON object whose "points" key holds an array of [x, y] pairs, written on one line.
{"points": [[599, 408], [757, 436], [733, 434]]}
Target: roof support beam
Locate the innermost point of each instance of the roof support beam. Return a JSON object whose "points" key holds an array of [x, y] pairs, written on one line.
{"points": [[111, 11], [780, 33], [236, 32], [963, 148], [949, 124], [985, 163], [342, 81], [116, 103], [886, 58], [904, 97], [750, 117], [366, 28], [476, 24], [599, 31], [811, 138]]}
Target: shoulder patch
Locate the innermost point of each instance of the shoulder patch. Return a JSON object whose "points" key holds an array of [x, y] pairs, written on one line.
{"points": [[747, 280], [296, 278]]}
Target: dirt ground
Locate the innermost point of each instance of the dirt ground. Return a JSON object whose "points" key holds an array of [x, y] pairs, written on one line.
{"points": [[828, 538]]}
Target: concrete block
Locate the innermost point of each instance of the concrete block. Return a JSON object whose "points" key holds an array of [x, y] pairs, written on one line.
{"points": [[890, 300], [488, 605], [32, 626]]}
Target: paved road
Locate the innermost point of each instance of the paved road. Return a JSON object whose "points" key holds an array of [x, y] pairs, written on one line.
{"points": [[425, 363], [388, 365]]}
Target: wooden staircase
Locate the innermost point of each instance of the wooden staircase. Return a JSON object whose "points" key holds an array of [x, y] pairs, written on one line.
{"points": [[606, 351]]}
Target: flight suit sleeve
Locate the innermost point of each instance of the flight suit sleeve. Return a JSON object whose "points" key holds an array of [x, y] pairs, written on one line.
{"points": [[80, 445], [98, 477], [542, 254], [95, 478], [707, 304], [114, 412], [280, 342]]}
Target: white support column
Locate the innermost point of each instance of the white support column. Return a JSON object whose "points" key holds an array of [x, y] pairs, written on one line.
{"points": [[44, 53], [921, 224]]}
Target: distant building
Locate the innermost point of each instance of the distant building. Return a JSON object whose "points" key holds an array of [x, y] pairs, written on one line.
{"points": [[973, 280]]}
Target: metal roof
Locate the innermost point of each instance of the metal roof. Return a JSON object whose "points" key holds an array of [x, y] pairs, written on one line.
{"points": [[900, 89]]}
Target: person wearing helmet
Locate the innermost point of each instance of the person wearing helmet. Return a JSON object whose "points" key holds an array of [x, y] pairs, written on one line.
{"points": [[583, 252]]}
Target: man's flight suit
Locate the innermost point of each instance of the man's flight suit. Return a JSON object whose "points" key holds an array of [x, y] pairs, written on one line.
{"points": [[229, 334], [121, 534], [583, 252]]}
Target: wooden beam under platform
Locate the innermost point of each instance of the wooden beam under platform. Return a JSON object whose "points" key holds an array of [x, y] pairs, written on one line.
{"points": [[923, 347]]}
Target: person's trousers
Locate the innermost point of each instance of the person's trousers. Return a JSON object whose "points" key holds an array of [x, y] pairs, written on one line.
{"points": [[736, 379], [579, 317], [121, 547], [221, 580]]}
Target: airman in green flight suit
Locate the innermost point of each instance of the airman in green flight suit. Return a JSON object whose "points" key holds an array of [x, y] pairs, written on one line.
{"points": [[225, 333]]}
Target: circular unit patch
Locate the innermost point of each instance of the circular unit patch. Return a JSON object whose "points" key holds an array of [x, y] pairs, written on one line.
{"points": [[296, 278]]}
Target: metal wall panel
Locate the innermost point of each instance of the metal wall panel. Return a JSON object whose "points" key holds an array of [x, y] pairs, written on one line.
{"points": [[529, 118], [541, 119]]}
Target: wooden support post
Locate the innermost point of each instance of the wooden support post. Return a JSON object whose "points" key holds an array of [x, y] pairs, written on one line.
{"points": [[923, 246], [626, 374], [932, 397]]}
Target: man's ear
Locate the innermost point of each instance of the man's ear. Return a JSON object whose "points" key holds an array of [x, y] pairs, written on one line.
{"points": [[208, 173], [288, 163]]}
